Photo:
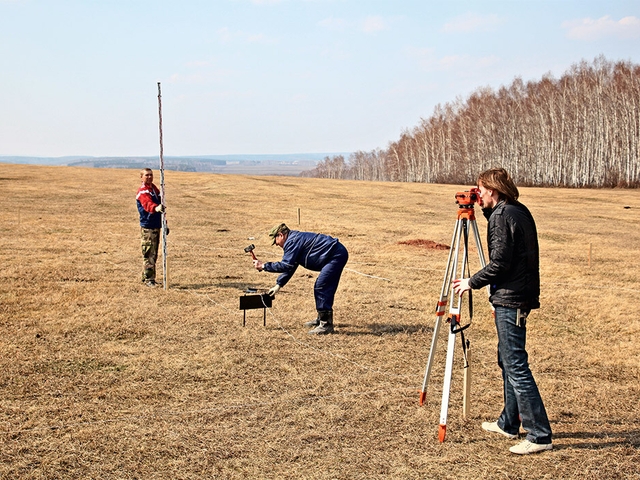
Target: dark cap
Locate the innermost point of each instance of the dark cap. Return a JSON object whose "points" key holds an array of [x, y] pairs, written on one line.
{"points": [[282, 228]]}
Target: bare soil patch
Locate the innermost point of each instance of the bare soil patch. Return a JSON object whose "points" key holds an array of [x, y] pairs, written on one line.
{"points": [[428, 244]]}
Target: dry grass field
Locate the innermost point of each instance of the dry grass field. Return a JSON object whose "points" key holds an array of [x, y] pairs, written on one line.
{"points": [[104, 378]]}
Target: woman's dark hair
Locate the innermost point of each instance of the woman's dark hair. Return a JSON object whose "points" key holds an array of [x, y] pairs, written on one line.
{"points": [[499, 180]]}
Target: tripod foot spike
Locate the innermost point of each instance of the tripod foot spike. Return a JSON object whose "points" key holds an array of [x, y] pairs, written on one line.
{"points": [[423, 396], [442, 432]]}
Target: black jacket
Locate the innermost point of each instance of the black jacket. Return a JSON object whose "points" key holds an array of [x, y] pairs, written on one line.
{"points": [[513, 271]]}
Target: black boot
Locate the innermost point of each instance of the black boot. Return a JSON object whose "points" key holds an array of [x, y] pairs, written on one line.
{"points": [[313, 323], [325, 324]]}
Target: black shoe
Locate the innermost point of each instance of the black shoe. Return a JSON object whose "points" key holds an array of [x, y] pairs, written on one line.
{"points": [[151, 283]]}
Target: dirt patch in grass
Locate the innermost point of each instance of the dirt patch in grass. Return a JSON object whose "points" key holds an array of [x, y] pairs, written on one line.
{"points": [[428, 244]]}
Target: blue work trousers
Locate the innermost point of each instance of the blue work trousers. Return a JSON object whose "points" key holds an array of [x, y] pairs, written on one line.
{"points": [[326, 284], [522, 401]]}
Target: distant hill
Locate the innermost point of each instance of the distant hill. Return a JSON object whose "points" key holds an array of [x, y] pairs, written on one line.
{"points": [[269, 164]]}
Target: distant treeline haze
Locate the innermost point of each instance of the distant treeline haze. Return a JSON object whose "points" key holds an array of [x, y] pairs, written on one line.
{"points": [[581, 130]]}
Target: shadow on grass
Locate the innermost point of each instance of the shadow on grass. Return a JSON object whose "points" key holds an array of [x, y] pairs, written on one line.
{"points": [[609, 439], [241, 287], [379, 329]]}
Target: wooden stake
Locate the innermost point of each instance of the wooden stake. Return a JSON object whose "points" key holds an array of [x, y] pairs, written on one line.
{"points": [[298, 215]]}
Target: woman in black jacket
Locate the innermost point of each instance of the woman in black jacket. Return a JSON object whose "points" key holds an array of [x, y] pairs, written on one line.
{"points": [[514, 278]]}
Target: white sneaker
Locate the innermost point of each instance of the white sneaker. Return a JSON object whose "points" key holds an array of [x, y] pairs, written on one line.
{"points": [[526, 447], [493, 427]]}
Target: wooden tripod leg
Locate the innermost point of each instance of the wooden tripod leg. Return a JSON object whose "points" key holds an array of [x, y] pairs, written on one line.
{"points": [[446, 387], [432, 351], [442, 304]]}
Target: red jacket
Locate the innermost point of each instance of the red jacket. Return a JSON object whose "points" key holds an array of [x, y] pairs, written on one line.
{"points": [[147, 199]]}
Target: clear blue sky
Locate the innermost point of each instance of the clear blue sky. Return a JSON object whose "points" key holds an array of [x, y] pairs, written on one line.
{"points": [[79, 77]]}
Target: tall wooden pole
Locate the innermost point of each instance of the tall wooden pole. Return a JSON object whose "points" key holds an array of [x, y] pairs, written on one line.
{"points": [[165, 280]]}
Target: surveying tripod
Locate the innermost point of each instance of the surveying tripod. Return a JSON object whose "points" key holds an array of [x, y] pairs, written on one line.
{"points": [[458, 261]]}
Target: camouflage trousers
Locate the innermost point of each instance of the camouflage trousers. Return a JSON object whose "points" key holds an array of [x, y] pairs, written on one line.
{"points": [[150, 241]]}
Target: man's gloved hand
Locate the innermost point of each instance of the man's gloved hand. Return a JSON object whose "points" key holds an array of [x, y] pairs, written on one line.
{"points": [[159, 208], [274, 290]]}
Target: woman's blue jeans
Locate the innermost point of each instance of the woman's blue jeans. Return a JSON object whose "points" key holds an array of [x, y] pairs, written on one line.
{"points": [[522, 401]]}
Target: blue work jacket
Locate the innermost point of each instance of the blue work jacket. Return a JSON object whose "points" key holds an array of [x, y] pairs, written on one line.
{"points": [[311, 250]]}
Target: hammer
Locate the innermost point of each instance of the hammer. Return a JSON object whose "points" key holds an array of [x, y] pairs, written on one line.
{"points": [[249, 249]]}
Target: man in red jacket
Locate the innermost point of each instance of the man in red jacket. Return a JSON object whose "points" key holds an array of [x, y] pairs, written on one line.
{"points": [[150, 208]]}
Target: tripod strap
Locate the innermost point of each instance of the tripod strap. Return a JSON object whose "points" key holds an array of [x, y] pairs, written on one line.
{"points": [[468, 269], [456, 328], [465, 343], [465, 346]]}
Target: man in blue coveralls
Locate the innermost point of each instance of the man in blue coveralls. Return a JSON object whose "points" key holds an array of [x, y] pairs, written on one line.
{"points": [[316, 252]]}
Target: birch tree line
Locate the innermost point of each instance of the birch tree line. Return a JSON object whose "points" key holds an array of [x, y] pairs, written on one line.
{"points": [[581, 130]]}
